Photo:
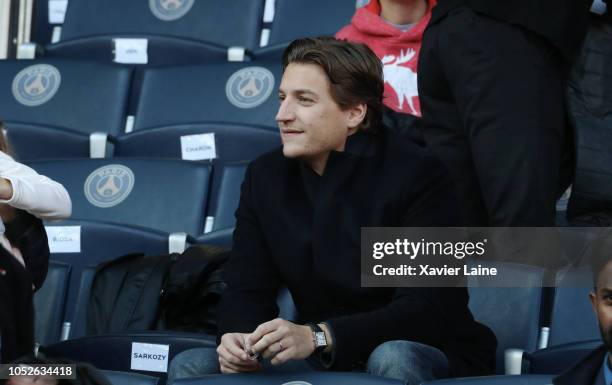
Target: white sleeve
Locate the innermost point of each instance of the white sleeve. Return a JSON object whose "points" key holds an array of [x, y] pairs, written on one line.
{"points": [[34, 193]]}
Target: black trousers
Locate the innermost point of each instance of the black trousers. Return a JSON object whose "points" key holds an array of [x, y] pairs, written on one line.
{"points": [[16, 309], [492, 98]]}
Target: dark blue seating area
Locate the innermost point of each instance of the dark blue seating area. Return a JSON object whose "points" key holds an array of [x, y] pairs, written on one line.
{"points": [[176, 31], [167, 195], [50, 302], [294, 18], [51, 107], [219, 93], [513, 313], [496, 380], [177, 121], [231, 142], [125, 378], [85, 244], [319, 378], [114, 351]]}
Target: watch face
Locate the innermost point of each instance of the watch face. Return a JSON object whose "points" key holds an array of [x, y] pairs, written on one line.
{"points": [[320, 339]]}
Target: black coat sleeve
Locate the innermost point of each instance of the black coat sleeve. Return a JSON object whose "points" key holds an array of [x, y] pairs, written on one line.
{"points": [[252, 278]]}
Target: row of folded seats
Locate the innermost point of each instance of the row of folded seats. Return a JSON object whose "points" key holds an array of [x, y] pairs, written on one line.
{"points": [[540, 330], [161, 32]]}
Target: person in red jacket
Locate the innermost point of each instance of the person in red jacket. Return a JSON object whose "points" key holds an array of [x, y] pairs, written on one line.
{"points": [[393, 29]]}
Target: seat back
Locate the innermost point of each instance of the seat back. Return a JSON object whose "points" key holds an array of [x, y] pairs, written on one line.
{"points": [[496, 380], [114, 351], [226, 143], [299, 18], [49, 303], [126, 378], [167, 195], [226, 195], [73, 95], [557, 359], [572, 317], [314, 377], [85, 244], [234, 23], [242, 93], [512, 313]]}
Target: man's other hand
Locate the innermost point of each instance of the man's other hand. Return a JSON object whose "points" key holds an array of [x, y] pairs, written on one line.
{"points": [[233, 357]]}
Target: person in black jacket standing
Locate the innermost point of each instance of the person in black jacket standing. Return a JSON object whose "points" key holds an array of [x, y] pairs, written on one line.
{"points": [[299, 224], [491, 80]]}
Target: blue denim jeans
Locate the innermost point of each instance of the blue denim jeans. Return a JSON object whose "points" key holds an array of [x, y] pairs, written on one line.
{"points": [[411, 362]]}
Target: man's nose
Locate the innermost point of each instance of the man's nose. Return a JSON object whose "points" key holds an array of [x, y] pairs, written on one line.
{"points": [[285, 112]]}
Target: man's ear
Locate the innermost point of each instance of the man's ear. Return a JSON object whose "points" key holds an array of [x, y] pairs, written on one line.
{"points": [[355, 115], [593, 298]]}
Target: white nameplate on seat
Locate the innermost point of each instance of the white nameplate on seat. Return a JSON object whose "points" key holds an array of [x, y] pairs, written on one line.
{"points": [[150, 357], [64, 239], [57, 11], [131, 51], [198, 147]]}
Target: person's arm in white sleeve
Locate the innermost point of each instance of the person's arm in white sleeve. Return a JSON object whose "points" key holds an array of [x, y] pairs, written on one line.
{"points": [[23, 188]]}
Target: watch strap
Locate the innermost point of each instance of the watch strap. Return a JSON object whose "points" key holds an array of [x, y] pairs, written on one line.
{"points": [[319, 344]]}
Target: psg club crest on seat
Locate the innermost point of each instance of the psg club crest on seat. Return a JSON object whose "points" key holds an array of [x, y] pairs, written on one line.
{"points": [[109, 185], [168, 10], [36, 84], [249, 87]]}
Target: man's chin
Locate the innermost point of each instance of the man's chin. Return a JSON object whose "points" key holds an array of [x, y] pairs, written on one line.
{"points": [[292, 153]]}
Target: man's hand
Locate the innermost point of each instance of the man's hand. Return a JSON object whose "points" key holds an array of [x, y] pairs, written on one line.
{"points": [[232, 355], [282, 341]]}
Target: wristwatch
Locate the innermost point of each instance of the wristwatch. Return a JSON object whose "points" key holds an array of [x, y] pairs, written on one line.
{"points": [[318, 337]]}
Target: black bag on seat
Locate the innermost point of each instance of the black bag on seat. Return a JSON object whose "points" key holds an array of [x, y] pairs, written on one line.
{"points": [[165, 292]]}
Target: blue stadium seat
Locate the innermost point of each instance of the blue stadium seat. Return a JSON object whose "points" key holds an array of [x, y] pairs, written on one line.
{"points": [[513, 313], [573, 327], [114, 351], [232, 142], [300, 18], [495, 380], [219, 93], [126, 378], [167, 195], [178, 31], [51, 107], [225, 195], [43, 29], [85, 244], [221, 238], [556, 359], [319, 378], [49, 303], [572, 317]]}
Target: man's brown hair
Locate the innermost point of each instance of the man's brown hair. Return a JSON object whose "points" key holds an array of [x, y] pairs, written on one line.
{"points": [[355, 73]]}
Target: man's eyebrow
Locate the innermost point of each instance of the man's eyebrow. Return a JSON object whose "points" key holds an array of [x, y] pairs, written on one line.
{"points": [[605, 290]]}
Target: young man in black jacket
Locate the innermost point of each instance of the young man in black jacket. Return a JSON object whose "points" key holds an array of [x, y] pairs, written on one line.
{"points": [[301, 211]]}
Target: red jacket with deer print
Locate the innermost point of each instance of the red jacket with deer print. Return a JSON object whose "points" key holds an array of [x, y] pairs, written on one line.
{"points": [[399, 52]]}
